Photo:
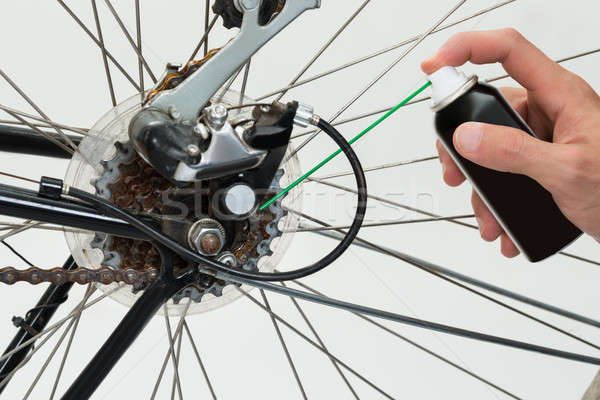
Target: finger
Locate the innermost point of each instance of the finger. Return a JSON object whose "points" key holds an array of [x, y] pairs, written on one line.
{"points": [[451, 173], [517, 98], [520, 58], [508, 248], [489, 228], [509, 150]]}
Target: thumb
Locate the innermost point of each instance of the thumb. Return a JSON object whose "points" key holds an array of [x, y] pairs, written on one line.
{"points": [[507, 149]]}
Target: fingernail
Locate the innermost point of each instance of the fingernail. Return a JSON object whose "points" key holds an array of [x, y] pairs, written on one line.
{"points": [[468, 137]]}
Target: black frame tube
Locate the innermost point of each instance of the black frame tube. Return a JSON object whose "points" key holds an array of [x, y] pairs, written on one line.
{"points": [[24, 203], [28, 141], [38, 319], [128, 330]]}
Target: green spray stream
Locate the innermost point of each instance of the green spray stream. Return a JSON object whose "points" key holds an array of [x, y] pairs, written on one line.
{"points": [[351, 141]]}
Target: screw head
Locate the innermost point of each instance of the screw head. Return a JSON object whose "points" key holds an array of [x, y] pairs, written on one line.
{"points": [[174, 112], [207, 237], [216, 115], [193, 150], [201, 130], [210, 243], [228, 258]]}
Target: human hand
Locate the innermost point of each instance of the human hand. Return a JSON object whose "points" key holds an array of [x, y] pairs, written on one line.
{"points": [[559, 106]]}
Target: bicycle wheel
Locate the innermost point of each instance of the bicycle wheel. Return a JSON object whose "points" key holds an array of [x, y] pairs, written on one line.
{"points": [[74, 71]]}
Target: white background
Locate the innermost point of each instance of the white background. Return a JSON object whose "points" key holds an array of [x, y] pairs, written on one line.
{"points": [[61, 69]]}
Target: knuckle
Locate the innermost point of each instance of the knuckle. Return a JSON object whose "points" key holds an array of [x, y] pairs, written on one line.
{"points": [[512, 34], [581, 165]]}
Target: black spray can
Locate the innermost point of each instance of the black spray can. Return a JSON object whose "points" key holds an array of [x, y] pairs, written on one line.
{"points": [[525, 210]]}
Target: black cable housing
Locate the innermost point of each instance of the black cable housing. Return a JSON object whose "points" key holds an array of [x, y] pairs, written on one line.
{"points": [[208, 263]]}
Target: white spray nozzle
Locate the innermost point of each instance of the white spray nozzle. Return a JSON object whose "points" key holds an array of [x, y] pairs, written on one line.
{"points": [[447, 84]]}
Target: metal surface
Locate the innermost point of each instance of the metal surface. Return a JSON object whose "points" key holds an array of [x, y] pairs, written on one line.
{"points": [[23, 203], [207, 236], [127, 331], [27, 141], [304, 115], [468, 279], [452, 330], [240, 199], [38, 319], [226, 155], [195, 92], [386, 70], [80, 275]]}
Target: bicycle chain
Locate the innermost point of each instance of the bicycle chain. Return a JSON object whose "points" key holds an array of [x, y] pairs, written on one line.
{"points": [[82, 276]]}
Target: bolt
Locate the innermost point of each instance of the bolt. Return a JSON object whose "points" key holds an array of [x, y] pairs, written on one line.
{"points": [[216, 115], [210, 243], [174, 112], [201, 130], [193, 150], [228, 258], [207, 236]]}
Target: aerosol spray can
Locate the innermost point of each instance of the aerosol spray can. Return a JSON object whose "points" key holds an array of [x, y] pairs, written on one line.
{"points": [[525, 210]]}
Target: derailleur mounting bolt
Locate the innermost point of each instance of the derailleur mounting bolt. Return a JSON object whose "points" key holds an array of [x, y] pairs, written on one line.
{"points": [[216, 115], [193, 150], [174, 112]]}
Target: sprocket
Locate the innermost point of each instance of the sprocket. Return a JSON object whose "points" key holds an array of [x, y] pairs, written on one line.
{"points": [[133, 185]]}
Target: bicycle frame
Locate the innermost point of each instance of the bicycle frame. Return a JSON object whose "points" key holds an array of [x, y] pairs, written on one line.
{"points": [[24, 203]]}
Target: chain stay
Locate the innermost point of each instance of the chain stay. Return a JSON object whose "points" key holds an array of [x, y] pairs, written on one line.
{"points": [[82, 276]]}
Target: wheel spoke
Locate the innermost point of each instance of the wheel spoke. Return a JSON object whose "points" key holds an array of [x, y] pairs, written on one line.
{"points": [[72, 325], [91, 35], [283, 344], [27, 225], [322, 344], [41, 132], [380, 167], [138, 28], [227, 86], [324, 47], [135, 48], [48, 123], [429, 325], [418, 346], [204, 39], [78, 309], [244, 82], [36, 108], [54, 327], [381, 75], [383, 51], [179, 339], [377, 224], [172, 348], [111, 88], [313, 343], [447, 274], [470, 280], [206, 24], [65, 355], [423, 99], [423, 212], [193, 343]]}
